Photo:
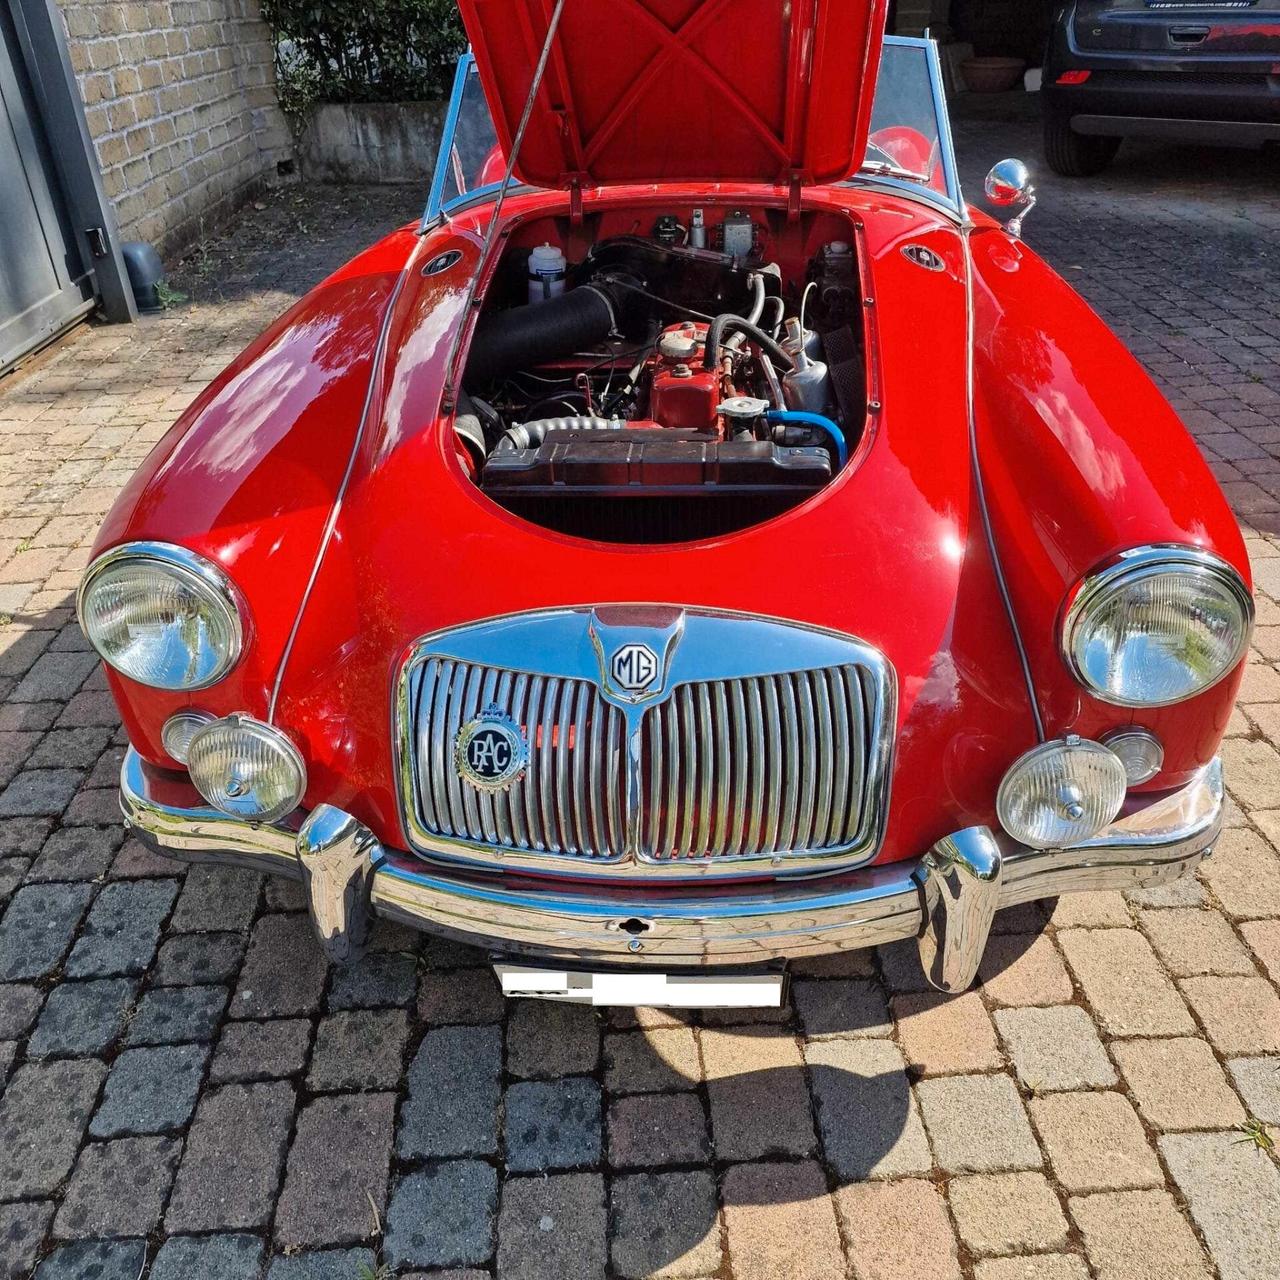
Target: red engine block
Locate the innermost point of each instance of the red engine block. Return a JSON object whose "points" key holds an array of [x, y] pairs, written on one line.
{"points": [[681, 392]]}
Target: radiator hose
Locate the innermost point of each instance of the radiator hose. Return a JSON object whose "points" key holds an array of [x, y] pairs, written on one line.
{"points": [[730, 323], [797, 417], [506, 341]]}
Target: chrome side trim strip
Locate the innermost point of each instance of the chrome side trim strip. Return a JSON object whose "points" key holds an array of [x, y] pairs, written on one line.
{"points": [[375, 374], [1154, 841]]}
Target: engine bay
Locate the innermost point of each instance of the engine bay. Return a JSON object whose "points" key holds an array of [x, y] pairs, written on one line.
{"points": [[666, 376]]}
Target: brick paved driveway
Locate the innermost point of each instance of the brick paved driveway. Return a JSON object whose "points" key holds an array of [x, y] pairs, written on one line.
{"points": [[185, 1085]]}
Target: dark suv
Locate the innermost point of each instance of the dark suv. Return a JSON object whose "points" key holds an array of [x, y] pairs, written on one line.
{"points": [[1165, 68]]}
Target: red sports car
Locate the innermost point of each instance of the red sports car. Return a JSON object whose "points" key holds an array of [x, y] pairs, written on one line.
{"points": [[705, 540]]}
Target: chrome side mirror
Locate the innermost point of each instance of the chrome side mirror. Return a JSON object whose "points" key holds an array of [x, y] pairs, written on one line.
{"points": [[1008, 186]]}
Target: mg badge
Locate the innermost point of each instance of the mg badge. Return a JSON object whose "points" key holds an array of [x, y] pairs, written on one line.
{"points": [[491, 752], [634, 667]]}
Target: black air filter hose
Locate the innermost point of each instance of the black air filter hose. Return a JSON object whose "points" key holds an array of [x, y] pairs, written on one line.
{"points": [[523, 336]]}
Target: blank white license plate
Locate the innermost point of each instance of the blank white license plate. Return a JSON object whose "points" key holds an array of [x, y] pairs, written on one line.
{"points": [[654, 990]]}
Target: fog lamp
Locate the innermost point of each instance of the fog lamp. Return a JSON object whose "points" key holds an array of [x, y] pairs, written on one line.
{"points": [[1061, 793], [178, 731], [247, 769], [1139, 750]]}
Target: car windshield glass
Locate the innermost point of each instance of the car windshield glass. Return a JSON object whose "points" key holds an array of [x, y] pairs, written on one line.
{"points": [[908, 141], [907, 137]]}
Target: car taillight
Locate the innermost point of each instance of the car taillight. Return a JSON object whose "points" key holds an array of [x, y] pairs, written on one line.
{"points": [[1073, 77]]}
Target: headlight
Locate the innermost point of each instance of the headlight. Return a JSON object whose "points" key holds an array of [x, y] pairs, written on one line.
{"points": [[247, 769], [1160, 625], [1061, 793], [161, 615]]}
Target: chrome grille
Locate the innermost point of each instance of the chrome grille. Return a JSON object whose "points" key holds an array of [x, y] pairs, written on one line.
{"points": [[768, 766], [570, 799], [780, 761]]}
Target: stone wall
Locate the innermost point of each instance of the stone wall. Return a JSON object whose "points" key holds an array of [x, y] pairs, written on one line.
{"points": [[372, 142], [180, 100]]}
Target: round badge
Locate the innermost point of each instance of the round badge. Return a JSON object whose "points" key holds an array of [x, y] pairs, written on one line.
{"points": [[442, 262], [490, 752]]}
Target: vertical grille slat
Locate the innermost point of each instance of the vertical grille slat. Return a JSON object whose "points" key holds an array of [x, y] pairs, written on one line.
{"points": [[767, 766]]}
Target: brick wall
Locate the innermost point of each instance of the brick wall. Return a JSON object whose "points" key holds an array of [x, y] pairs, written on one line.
{"points": [[180, 99]]}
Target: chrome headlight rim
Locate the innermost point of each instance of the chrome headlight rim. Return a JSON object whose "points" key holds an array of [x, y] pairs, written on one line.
{"points": [[182, 563], [1133, 565]]}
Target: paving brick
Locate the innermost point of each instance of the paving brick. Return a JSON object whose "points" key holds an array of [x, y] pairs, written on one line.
{"points": [[261, 1050], [23, 1228], [1095, 1142], [217, 899], [1253, 772], [38, 928], [665, 1225], [1263, 939], [78, 853], [171, 1015], [118, 1188], [43, 1113], [82, 1017], [225, 1257], [650, 1060], [444, 1216], [1138, 1235], [1007, 1213], [898, 1231], [1241, 1015], [359, 1049], [335, 1188], [323, 1264], [453, 1090], [39, 791], [22, 837], [1258, 1081], [1024, 969], [122, 928], [1244, 874], [977, 1124], [768, 1208], [651, 1130], [1195, 942], [193, 959], [756, 1088], [1185, 891], [19, 1004], [1123, 983], [1091, 911], [13, 871], [867, 1117], [842, 1007], [1055, 1048], [99, 1259], [1178, 1084], [459, 996], [946, 1035], [55, 676], [380, 979], [553, 1124], [283, 975], [150, 1090], [546, 1038], [1044, 1266], [552, 1228], [135, 861], [231, 1165]]}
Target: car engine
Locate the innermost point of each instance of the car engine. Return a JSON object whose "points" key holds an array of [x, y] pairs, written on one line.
{"points": [[663, 388]]}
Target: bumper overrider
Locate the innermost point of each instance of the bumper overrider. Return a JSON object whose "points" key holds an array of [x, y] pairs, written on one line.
{"points": [[945, 901]]}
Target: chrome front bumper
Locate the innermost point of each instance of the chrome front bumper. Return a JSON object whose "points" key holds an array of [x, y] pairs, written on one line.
{"points": [[946, 901]]}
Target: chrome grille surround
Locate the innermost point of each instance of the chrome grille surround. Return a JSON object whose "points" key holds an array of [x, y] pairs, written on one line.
{"points": [[761, 747]]}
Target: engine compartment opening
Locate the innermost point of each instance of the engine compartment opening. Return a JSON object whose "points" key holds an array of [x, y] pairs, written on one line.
{"points": [[660, 376]]}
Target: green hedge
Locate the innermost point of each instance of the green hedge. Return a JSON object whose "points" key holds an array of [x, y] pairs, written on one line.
{"points": [[363, 50]]}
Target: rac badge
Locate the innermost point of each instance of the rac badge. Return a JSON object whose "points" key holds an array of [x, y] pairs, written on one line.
{"points": [[490, 752], [634, 667]]}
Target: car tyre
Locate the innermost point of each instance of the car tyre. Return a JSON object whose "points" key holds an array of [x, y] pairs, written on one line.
{"points": [[1072, 154]]}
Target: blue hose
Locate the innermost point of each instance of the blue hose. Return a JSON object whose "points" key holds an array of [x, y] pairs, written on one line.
{"points": [[786, 416]]}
